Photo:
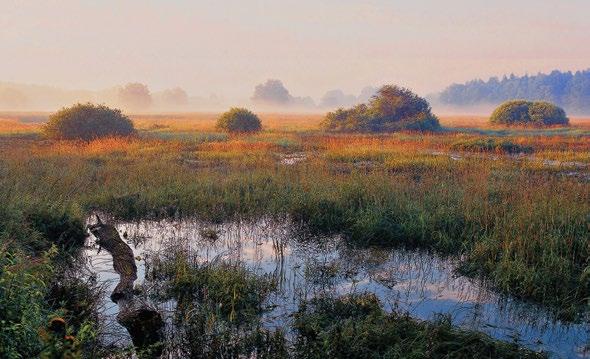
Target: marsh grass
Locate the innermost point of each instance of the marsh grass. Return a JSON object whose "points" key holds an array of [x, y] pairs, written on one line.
{"points": [[31, 298], [491, 145], [519, 223], [218, 307], [40, 239], [230, 290], [355, 326]]}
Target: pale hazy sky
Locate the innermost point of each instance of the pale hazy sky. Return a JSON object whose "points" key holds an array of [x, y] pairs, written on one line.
{"points": [[229, 46]]}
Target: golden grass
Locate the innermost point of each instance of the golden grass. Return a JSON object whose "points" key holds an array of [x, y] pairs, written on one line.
{"points": [[14, 126], [11, 123], [105, 146], [284, 134], [463, 121], [475, 121], [206, 122]]}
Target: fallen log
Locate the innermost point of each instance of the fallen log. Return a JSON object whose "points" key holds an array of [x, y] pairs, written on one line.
{"points": [[143, 322]]}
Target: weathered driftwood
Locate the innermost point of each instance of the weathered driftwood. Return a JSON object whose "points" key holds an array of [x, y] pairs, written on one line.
{"points": [[143, 322]]}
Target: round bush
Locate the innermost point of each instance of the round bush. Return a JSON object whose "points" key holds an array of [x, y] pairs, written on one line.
{"points": [[545, 113], [87, 122], [521, 112], [239, 120], [392, 109]]}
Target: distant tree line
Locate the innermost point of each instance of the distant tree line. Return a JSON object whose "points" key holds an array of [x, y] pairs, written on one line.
{"points": [[566, 89]]}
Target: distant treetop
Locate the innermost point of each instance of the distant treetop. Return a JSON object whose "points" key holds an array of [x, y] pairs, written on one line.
{"points": [[566, 89], [135, 96], [392, 108]]}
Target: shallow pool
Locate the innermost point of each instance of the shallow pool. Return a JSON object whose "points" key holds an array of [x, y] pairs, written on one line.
{"points": [[421, 284]]}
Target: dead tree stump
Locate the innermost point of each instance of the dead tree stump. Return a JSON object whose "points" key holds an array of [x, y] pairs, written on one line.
{"points": [[143, 322]]}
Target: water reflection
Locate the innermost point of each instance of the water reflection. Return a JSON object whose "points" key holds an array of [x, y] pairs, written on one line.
{"points": [[305, 266]]}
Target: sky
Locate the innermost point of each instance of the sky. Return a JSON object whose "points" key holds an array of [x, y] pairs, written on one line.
{"points": [[227, 47]]}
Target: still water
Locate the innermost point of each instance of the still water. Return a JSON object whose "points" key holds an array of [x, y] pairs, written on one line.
{"points": [[421, 284]]}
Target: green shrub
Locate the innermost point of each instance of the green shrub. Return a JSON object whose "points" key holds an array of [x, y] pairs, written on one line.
{"points": [[348, 120], [31, 306], [356, 326], [57, 226], [34, 227], [392, 109], [219, 307], [234, 292], [87, 122], [521, 112], [239, 120], [22, 309], [490, 145], [545, 113]]}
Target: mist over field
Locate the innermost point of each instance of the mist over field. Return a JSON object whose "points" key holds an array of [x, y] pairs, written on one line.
{"points": [[133, 97], [204, 56], [271, 95], [570, 90]]}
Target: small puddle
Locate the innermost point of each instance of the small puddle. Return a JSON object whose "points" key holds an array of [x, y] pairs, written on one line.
{"points": [[456, 156], [292, 158], [305, 266]]}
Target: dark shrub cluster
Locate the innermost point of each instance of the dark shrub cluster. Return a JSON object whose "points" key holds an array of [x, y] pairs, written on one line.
{"points": [[87, 122], [38, 283], [392, 109], [548, 114], [219, 307], [536, 113], [57, 226], [356, 326], [239, 120], [490, 145], [34, 227]]}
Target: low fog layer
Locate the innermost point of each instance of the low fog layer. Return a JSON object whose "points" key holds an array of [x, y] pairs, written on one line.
{"points": [[271, 95], [567, 89], [132, 97]]}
